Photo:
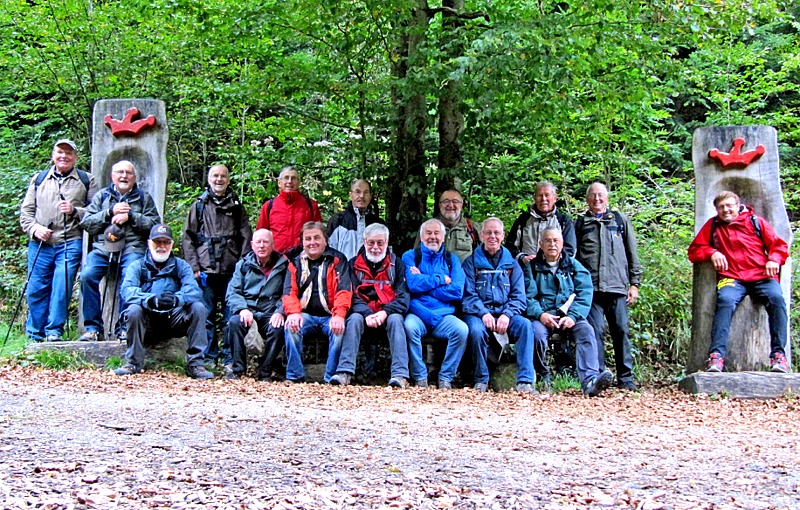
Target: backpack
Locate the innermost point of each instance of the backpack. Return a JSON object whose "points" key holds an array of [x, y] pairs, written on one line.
{"points": [[448, 258], [579, 222], [200, 207], [756, 226]]}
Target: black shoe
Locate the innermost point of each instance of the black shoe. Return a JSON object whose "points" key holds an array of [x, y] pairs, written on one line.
{"points": [[53, 337], [127, 369], [199, 372], [597, 385], [627, 386]]}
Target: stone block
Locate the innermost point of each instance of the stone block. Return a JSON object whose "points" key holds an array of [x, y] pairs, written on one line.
{"points": [[742, 384]]}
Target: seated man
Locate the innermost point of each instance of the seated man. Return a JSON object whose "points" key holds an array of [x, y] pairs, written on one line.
{"points": [[380, 299], [254, 295], [559, 297], [436, 282], [747, 255], [494, 301], [163, 300], [316, 298]]}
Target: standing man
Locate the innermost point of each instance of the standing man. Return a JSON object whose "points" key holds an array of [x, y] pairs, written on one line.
{"points": [[494, 303], [346, 229], [748, 256], [460, 236], [436, 282], [607, 248], [286, 214], [164, 301], [523, 239], [254, 295], [216, 235], [316, 298], [133, 210], [380, 300], [559, 297], [50, 215]]}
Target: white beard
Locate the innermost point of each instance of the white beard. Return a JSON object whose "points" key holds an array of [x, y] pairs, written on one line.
{"points": [[375, 259], [158, 257]]}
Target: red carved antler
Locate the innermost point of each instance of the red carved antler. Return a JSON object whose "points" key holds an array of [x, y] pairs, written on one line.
{"points": [[127, 126], [737, 158]]}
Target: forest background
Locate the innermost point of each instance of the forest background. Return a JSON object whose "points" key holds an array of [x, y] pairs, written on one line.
{"points": [[491, 95]]}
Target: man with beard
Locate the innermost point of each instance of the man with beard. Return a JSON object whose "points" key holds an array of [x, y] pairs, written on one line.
{"points": [[216, 235], [133, 210], [380, 300], [460, 236], [286, 214], [164, 301], [254, 296]]}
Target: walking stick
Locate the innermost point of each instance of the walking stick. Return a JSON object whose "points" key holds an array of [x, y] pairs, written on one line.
{"points": [[67, 288]]}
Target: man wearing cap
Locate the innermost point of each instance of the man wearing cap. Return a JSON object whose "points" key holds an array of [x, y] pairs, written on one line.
{"points": [[165, 301], [216, 235], [133, 210], [50, 215]]}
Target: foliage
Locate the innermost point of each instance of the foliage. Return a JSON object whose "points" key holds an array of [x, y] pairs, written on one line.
{"points": [[55, 360], [563, 382]]}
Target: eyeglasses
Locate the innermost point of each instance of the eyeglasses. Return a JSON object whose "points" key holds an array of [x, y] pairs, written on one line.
{"points": [[597, 195], [451, 202]]}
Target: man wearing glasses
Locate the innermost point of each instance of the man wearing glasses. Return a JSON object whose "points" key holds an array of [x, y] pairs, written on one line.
{"points": [[461, 236]]}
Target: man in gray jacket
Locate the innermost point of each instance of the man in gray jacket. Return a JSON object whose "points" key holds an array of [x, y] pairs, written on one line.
{"points": [[121, 203], [254, 296], [607, 248]]}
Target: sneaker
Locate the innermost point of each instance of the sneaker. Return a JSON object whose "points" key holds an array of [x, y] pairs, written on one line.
{"points": [[627, 386], [199, 372], [127, 369], [54, 338], [715, 363], [228, 373], [480, 387], [422, 383], [91, 336], [340, 379], [398, 382], [445, 385], [35, 339], [597, 385], [525, 387], [777, 363]]}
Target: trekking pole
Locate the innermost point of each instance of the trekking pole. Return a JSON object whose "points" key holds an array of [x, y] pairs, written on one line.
{"points": [[67, 288], [24, 288], [112, 326]]}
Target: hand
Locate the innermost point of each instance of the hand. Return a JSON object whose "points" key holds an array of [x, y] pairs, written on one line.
{"points": [[414, 270], [65, 207], [165, 301], [121, 208], [294, 322], [376, 319], [277, 320], [772, 268], [549, 320], [488, 321], [633, 294], [527, 258], [566, 322], [336, 325], [119, 219], [42, 233], [246, 316], [447, 280], [502, 324], [720, 262]]}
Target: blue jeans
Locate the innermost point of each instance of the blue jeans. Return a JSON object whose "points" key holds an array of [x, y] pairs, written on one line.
{"points": [[214, 298], [729, 296], [48, 303], [614, 308], [295, 370], [520, 331], [394, 332], [586, 362], [96, 267], [451, 330]]}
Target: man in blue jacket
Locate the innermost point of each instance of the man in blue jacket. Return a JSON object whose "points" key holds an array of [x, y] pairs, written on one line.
{"points": [[436, 282], [494, 301], [559, 298], [163, 297]]}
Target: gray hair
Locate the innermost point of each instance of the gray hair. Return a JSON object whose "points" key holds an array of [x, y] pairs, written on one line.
{"points": [[126, 162], [376, 229], [287, 169], [432, 220], [589, 189], [546, 184], [493, 218]]}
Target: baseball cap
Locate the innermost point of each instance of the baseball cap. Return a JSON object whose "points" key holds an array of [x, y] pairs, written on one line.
{"points": [[64, 141], [161, 231], [114, 238]]}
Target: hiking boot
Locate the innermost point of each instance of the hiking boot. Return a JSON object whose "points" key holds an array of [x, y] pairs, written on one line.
{"points": [[777, 363], [340, 379], [35, 339], [627, 386], [199, 372], [422, 383], [398, 382], [480, 387], [715, 363], [264, 378], [127, 369], [547, 382], [445, 385], [228, 373], [91, 336], [525, 387], [53, 337], [598, 384]]}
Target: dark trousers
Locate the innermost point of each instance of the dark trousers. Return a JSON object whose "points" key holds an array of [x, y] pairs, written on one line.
{"points": [[214, 298], [187, 320], [273, 342], [614, 309]]}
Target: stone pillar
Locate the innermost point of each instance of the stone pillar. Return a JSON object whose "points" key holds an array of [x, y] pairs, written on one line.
{"points": [[756, 179], [134, 130]]}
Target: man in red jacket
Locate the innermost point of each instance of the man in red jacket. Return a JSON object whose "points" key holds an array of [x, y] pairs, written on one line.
{"points": [[286, 214], [747, 255]]}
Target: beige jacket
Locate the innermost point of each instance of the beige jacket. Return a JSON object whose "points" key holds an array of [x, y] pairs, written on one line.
{"points": [[40, 205]]}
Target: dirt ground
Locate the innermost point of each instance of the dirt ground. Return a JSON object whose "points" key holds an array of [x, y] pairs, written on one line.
{"points": [[89, 439]]}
